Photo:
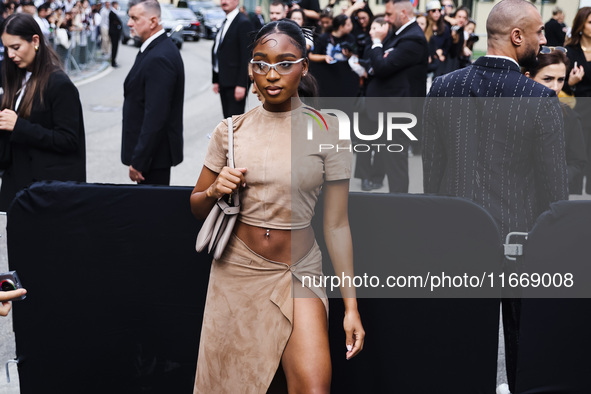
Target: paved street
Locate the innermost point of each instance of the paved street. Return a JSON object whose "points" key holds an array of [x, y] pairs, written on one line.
{"points": [[102, 99]]}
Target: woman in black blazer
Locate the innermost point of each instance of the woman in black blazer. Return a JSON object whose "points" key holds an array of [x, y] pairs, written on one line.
{"points": [[579, 83], [41, 124]]}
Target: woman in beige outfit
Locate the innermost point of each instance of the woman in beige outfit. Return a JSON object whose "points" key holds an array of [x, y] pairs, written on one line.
{"points": [[258, 314]]}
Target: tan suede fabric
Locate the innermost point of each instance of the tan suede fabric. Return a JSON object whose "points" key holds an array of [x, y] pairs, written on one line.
{"points": [[285, 169], [248, 319], [248, 314]]}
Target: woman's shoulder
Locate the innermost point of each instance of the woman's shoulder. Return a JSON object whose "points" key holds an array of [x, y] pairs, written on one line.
{"points": [[59, 79], [238, 120]]}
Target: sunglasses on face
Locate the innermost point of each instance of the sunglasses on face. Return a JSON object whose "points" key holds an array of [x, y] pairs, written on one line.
{"points": [[435, 10], [544, 50], [281, 68]]}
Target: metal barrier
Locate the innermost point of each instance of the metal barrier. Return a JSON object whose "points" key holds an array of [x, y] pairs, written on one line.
{"points": [[80, 52]]}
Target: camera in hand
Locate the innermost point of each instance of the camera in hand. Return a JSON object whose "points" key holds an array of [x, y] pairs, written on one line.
{"points": [[7, 285], [473, 38]]}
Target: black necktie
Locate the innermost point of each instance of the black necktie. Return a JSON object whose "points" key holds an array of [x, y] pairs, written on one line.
{"points": [[222, 33], [217, 49]]}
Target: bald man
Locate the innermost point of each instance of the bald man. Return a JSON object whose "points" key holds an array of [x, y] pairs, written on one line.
{"points": [[503, 153], [154, 92]]}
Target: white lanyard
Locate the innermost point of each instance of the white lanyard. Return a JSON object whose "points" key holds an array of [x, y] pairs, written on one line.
{"points": [[22, 93]]}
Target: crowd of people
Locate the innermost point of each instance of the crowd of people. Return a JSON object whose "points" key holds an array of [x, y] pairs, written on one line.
{"points": [[73, 27], [307, 51]]}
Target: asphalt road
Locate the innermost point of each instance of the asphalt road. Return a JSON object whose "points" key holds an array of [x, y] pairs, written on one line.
{"points": [[102, 99]]}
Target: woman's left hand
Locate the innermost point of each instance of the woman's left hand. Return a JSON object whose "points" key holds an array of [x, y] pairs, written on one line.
{"points": [[355, 335], [8, 119]]}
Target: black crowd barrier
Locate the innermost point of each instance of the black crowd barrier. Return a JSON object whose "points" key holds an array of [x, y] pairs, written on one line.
{"points": [[554, 341], [116, 293], [116, 289]]}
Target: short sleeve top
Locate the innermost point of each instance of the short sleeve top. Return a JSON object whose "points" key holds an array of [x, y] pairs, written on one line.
{"points": [[288, 156]]}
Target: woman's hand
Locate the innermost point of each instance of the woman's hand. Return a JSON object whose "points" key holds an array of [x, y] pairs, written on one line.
{"points": [[6, 296], [355, 335], [228, 180], [576, 75], [8, 119]]}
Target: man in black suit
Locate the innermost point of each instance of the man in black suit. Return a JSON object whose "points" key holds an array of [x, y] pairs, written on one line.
{"points": [[153, 108], [115, 27], [230, 57], [257, 18], [399, 59], [555, 28], [496, 137]]}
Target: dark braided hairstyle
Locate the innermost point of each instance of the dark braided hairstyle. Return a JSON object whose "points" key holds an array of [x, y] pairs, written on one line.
{"points": [[283, 26]]}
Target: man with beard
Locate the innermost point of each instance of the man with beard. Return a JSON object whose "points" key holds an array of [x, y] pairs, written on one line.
{"points": [[496, 137]]}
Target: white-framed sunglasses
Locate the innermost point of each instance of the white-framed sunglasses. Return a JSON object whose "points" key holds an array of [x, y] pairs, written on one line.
{"points": [[281, 68]]}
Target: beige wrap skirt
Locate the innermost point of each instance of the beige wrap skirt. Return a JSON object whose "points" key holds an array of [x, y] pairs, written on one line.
{"points": [[248, 318]]}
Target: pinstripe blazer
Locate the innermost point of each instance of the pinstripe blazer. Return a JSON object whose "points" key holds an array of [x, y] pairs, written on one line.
{"points": [[496, 137]]}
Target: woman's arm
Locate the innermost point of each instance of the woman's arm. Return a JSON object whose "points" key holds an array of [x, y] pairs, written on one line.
{"points": [[340, 248], [6, 296], [318, 58], [211, 186]]}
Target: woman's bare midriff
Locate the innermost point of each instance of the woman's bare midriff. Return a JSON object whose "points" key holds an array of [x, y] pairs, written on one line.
{"points": [[282, 246]]}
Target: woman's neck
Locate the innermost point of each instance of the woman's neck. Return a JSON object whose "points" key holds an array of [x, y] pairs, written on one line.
{"points": [[337, 34], [586, 42], [286, 106]]}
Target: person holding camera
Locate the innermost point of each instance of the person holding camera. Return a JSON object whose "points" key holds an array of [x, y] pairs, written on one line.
{"points": [[330, 57]]}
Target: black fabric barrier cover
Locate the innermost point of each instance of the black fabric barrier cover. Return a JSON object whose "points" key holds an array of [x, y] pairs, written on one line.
{"points": [[116, 295], [555, 340], [418, 345], [116, 289]]}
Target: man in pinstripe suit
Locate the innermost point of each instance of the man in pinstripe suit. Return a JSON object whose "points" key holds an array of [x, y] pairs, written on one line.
{"points": [[496, 137]]}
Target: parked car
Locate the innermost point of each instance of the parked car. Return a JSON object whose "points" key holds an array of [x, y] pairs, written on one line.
{"points": [[172, 17], [210, 15]]}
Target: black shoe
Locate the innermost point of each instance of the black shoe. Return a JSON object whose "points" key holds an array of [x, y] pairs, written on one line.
{"points": [[377, 185], [114, 65], [366, 185]]}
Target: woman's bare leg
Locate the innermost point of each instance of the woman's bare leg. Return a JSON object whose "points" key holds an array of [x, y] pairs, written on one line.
{"points": [[306, 359]]}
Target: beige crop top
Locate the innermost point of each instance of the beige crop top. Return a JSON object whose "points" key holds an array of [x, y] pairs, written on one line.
{"points": [[285, 170]]}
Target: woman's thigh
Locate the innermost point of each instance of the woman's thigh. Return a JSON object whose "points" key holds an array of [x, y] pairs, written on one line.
{"points": [[306, 359]]}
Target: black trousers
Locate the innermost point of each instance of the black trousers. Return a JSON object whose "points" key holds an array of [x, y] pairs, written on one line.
{"points": [[368, 167], [115, 38], [229, 105], [157, 176]]}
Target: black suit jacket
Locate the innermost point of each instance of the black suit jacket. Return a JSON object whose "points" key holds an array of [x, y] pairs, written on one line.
{"points": [[256, 22], [554, 32], [115, 24], [403, 72], [496, 137], [49, 145], [234, 54], [153, 108], [576, 55]]}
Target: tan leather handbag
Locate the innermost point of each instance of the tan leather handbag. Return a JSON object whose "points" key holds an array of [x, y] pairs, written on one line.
{"points": [[217, 227]]}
